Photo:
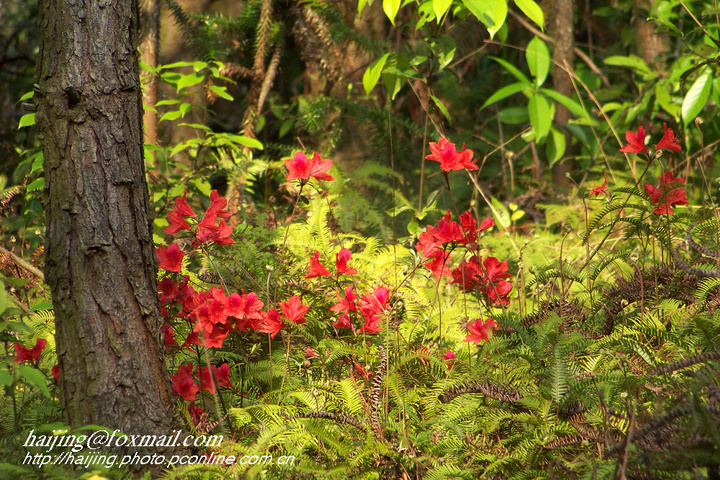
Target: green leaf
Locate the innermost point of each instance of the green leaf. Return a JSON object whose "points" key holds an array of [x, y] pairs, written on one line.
{"points": [[27, 96], [174, 115], [5, 377], [221, 92], [533, 12], [186, 81], [440, 7], [34, 376], [372, 74], [441, 106], [631, 61], [37, 184], [555, 147], [514, 115], [391, 8], [27, 120], [567, 102], [541, 113], [176, 65], [490, 12], [500, 212], [167, 102], [513, 71], [696, 97], [538, 60], [504, 92], [197, 66]]}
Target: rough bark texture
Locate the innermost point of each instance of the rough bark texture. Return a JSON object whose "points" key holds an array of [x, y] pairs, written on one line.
{"points": [[563, 54], [100, 259], [149, 45]]}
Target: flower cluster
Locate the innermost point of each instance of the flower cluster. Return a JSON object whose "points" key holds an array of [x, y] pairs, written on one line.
{"points": [[207, 230], [302, 168], [341, 265], [667, 193], [184, 384], [636, 141], [29, 354], [449, 158]]}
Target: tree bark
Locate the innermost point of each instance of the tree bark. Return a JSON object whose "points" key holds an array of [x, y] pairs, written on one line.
{"points": [[100, 259], [563, 54]]}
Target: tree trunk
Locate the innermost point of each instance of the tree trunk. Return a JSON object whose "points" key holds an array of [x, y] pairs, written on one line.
{"points": [[100, 259], [149, 43], [563, 54]]}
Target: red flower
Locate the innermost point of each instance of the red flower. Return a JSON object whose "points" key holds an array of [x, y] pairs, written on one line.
{"points": [[449, 158], [478, 331], [636, 141], [270, 323], [371, 325], [56, 373], [600, 190], [449, 355], [221, 377], [316, 268], [302, 168], [438, 265], [467, 273], [177, 223], [170, 258], [667, 193], [217, 206], [294, 310], [360, 369], [29, 354], [341, 262], [345, 304], [485, 224], [169, 336], [668, 141], [343, 321], [183, 383], [182, 206], [310, 353]]}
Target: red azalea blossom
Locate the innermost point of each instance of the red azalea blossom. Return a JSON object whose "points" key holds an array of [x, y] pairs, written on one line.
{"points": [[294, 310], [302, 168], [449, 158], [449, 355], [169, 336], [668, 140], [195, 414], [177, 223], [343, 321], [667, 193], [316, 268], [371, 325], [182, 206], [310, 353], [341, 262], [360, 369], [438, 264], [345, 304], [56, 373], [183, 383], [29, 354], [221, 377], [486, 224], [600, 190], [170, 258], [270, 323], [479, 330], [636, 141], [467, 273]]}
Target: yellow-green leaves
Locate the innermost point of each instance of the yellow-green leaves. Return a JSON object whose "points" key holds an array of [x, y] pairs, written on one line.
{"points": [[492, 13], [372, 74], [533, 11], [538, 60], [697, 96]]}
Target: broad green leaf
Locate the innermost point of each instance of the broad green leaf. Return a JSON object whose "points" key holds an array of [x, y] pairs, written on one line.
{"points": [[174, 115], [555, 147], [567, 102], [441, 106], [197, 66], [514, 115], [221, 92], [27, 120], [5, 377], [631, 61], [444, 48], [189, 80], [34, 376], [167, 102], [361, 5], [513, 71], [541, 113], [440, 7], [372, 74], [38, 162], [504, 92], [533, 12], [500, 212], [490, 12], [696, 97], [393, 83], [176, 65], [37, 184], [538, 60], [27, 96], [391, 8], [666, 101]]}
